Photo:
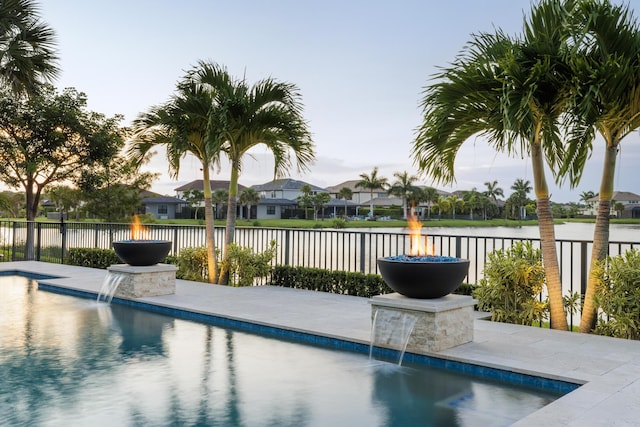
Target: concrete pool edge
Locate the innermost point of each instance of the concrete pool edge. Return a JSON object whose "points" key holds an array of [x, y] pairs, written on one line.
{"points": [[606, 366]]}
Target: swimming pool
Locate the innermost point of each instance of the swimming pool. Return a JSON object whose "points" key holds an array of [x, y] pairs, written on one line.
{"points": [[71, 361]]}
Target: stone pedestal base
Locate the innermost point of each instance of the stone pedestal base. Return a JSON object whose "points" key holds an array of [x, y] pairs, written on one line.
{"points": [[136, 282], [440, 323]]}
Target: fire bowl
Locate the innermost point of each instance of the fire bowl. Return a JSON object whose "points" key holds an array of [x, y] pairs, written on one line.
{"points": [[423, 277], [142, 252]]}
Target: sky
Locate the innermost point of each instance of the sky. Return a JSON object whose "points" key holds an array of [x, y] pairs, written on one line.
{"points": [[360, 66]]}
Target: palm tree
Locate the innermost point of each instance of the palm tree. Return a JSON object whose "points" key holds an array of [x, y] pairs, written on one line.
{"points": [[585, 196], [248, 198], [182, 126], [267, 113], [402, 187], [345, 193], [521, 189], [493, 191], [513, 92], [372, 182], [430, 196], [194, 197], [455, 203], [219, 197], [443, 205], [472, 200], [27, 47], [607, 100]]}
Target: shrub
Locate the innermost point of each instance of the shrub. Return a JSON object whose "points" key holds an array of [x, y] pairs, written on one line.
{"points": [[339, 223], [94, 258], [244, 265], [339, 282], [192, 264], [512, 283], [618, 296]]}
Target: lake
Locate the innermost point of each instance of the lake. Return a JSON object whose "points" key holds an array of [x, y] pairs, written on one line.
{"points": [[566, 231]]}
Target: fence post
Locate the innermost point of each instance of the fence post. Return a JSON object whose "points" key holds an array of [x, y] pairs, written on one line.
{"points": [[39, 237], [458, 247], [175, 240], [583, 268], [63, 231], [13, 244], [287, 243], [362, 251]]}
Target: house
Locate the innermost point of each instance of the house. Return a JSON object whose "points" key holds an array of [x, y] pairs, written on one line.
{"points": [[359, 195], [630, 203], [279, 198], [165, 207], [198, 184]]}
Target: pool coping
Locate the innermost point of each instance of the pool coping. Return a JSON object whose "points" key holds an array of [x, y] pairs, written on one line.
{"points": [[608, 368]]}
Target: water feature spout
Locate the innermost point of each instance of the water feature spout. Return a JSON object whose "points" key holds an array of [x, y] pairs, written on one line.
{"points": [[392, 329], [110, 286]]}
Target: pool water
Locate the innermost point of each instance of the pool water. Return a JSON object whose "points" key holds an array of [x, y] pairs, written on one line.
{"points": [[71, 361]]}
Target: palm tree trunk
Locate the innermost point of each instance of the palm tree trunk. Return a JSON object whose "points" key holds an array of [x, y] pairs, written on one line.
{"points": [[600, 237], [212, 263], [231, 218], [548, 241], [371, 204]]}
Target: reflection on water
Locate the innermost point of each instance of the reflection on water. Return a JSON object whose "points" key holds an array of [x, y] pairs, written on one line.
{"points": [[72, 361]]}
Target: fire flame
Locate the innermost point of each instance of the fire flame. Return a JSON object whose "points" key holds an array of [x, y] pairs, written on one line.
{"points": [[138, 231], [417, 246]]}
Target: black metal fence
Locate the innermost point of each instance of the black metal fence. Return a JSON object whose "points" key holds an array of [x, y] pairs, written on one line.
{"points": [[321, 248]]}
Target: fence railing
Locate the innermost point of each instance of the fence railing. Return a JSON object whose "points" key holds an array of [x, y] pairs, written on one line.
{"points": [[320, 248]]}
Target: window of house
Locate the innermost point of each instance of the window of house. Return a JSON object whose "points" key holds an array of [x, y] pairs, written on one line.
{"points": [[163, 209], [271, 210], [273, 194]]}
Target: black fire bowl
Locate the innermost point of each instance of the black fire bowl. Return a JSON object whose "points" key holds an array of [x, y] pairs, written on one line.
{"points": [[423, 277], [142, 252]]}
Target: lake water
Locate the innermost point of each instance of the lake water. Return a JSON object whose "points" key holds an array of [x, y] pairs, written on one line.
{"points": [[566, 231]]}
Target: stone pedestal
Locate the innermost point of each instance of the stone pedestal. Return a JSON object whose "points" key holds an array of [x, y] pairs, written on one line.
{"points": [[136, 282], [440, 323]]}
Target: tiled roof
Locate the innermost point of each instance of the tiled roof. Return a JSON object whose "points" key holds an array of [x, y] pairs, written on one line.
{"points": [[215, 185], [167, 200], [285, 184]]}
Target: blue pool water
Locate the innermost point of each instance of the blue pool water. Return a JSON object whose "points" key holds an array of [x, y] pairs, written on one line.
{"points": [[71, 361]]}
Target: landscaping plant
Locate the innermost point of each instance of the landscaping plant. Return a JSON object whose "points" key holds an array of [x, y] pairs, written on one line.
{"points": [[512, 284], [618, 296]]}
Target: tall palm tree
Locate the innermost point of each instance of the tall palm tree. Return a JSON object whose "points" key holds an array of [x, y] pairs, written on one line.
{"points": [[266, 113], [430, 196], [521, 189], [345, 194], [493, 191], [512, 91], [402, 187], [607, 100], [28, 55], [248, 198], [585, 196], [181, 125], [219, 197], [372, 182], [455, 204]]}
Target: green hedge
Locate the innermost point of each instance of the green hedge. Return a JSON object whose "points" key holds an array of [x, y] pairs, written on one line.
{"points": [[338, 282], [94, 258]]}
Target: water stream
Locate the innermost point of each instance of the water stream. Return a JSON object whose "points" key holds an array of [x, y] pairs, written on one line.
{"points": [[110, 286], [392, 329]]}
